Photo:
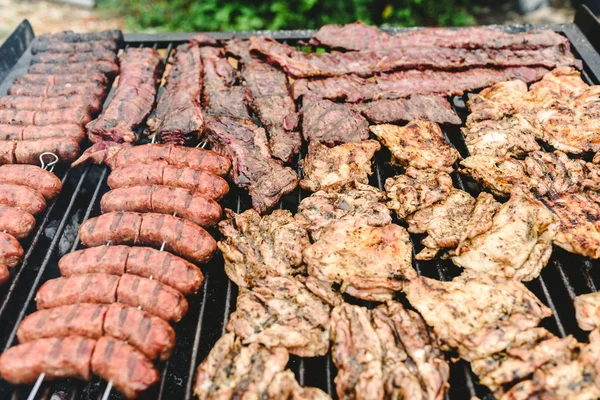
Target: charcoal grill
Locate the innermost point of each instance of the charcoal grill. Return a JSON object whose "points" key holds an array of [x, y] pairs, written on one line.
{"points": [[566, 275]]}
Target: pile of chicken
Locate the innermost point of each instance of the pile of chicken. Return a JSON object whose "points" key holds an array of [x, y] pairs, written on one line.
{"points": [[300, 275]]}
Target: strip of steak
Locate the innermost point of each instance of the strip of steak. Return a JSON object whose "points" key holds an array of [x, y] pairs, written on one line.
{"points": [[108, 68], [177, 118], [231, 131], [368, 63], [56, 357], [60, 80], [134, 98], [354, 89], [359, 36], [161, 173], [92, 103], [331, 123], [142, 261], [63, 59], [120, 363], [92, 89], [53, 46], [271, 100], [416, 107]]}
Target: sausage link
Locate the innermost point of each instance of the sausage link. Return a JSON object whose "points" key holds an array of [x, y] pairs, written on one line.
{"points": [[4, 274], [108, 68], [44, 182], [116, 227], [21, 197], [11, 252], [149, 334], [7, 152], [161, 173], [16, 222], [84, 319], [91, 103], [68, 357], [129, 370], [62, 59], [91, 89], [88, 288], [188, 205], [72, 115], [29, 151], [102, 259], [61, 80], [54, 46], [33, 132], [152, 296]]}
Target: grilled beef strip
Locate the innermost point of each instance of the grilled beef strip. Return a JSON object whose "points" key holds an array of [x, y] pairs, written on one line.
{"points": [[108, 35], [92, 103], [134, 98], [108, 68], [270, 99], [60, 80], [416, 107], [327, 122], [177, 118], [63, 59], [368, 63], [354, 89], [54, 46], [231, 132], [359, 36]]}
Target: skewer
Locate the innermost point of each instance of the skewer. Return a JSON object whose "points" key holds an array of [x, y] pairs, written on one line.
{"points": [[50, 166], [107, 390], [36, 386]]}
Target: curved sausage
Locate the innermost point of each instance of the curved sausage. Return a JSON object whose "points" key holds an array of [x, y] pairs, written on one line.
{"points": [[68, 357], [16, 222], [180, 236], [142, 261], [29, 151], [149, 334], [153, 297], [21, 197], [88, 288], [11, 252], [83, 319], [32, 132], [44, 182], [161, 173], [129, 370], [188, 205]]}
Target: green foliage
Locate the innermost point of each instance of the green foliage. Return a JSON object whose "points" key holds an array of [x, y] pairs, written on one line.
{"points": [[215, 15]]}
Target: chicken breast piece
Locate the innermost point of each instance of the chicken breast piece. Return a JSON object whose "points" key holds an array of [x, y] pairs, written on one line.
{"points": [[498, 174], [256, 247], [419, 144], [281, 311], [338, 167], [517, 245], [498, 101], [587, 311], [369, 263], [416, 189], [232, 370], [285, 386], [365, 203], [475, 314]]}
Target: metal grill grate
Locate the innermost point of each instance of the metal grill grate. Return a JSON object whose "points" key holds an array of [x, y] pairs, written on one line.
{"points": [[565, 276]]}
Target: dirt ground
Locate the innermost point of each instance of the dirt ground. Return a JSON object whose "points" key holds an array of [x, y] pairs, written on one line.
{"points": [[46, 16]]}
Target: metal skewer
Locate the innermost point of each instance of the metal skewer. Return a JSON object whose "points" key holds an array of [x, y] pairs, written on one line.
{"points": [[36, 386], [50, 166]]}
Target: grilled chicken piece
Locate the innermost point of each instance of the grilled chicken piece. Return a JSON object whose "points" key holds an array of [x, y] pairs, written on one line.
{"points": [[498, 101], [476, 314], [365, 203], [420, 144], [332, 169], [416, 189], [517, 245], [587, 309], [369, 262], [413, 365], [561, 83], [281, 311], [357, 354], [451, 221], [498, 174], [255, 248], [285, 386], [235, 371], [579, 227]]}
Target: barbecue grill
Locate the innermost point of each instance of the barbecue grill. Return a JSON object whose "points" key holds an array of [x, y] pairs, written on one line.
{"points": [[566, 275]]}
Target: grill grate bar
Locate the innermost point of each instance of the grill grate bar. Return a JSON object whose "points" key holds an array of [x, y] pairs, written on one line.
{"points": [[550, 303]]}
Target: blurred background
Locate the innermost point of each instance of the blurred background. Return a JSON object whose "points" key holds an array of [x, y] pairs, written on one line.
{"points": [[219, 15]]}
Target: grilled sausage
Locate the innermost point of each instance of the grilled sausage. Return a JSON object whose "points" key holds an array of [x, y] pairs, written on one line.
{"points": [[11, 252], [4, 274], [161, 173], [32, 132], [180, 236], [73, 115], [88, 57], [188, 205], [68, 357], [88, 288], [142, 261], [110, 69], [60, 79], [151, 335], [21, 197], [53, 46], [92, 103], [45, 183], [29, 151], [83, 319], [16, 222], [152, 296], [181, 156], [91, 89], [129, 370]]}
